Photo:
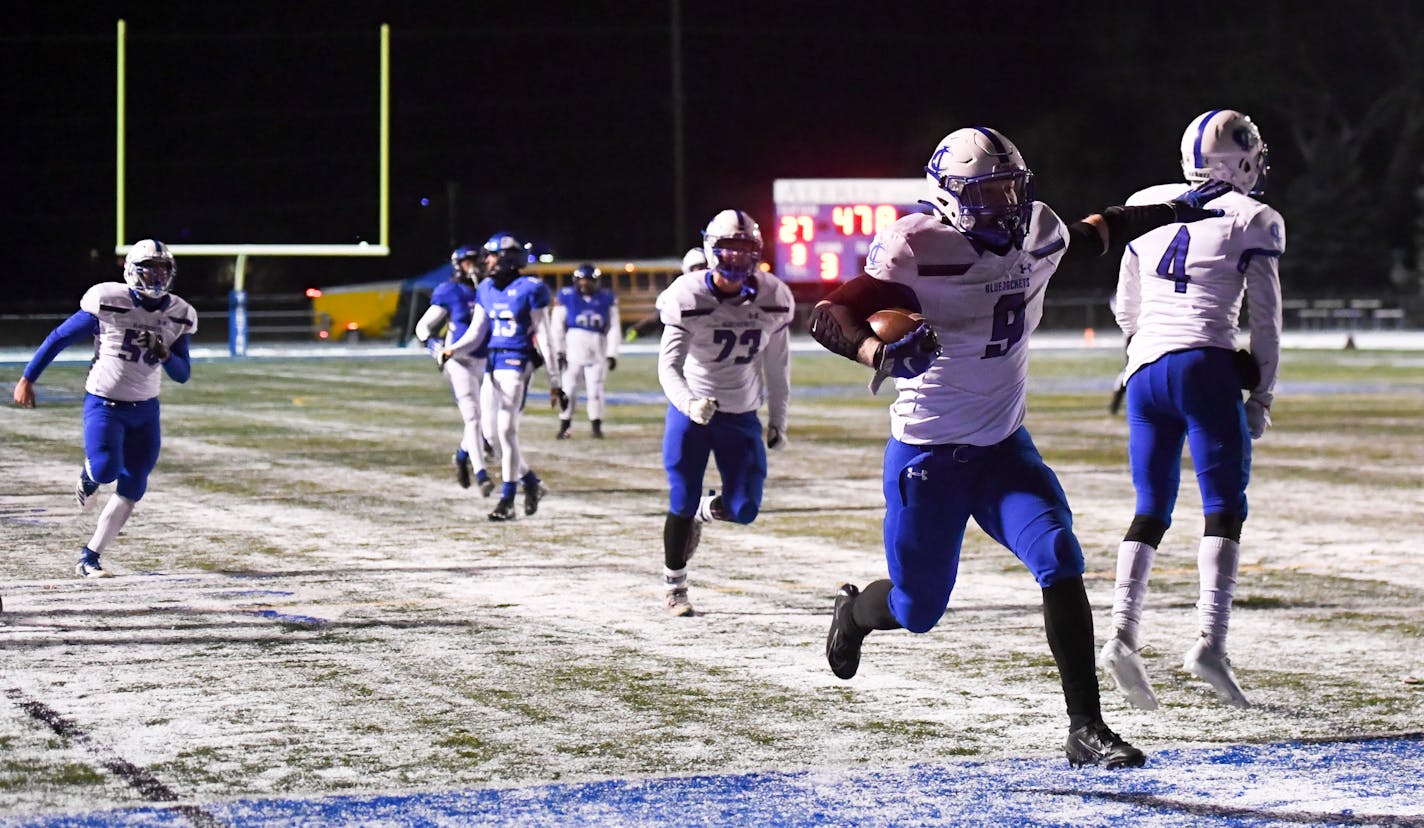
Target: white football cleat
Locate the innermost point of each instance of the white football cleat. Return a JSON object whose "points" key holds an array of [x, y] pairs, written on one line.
{"points": [[1127, 670], [89, 567], [1215, 669], [676, 603]]}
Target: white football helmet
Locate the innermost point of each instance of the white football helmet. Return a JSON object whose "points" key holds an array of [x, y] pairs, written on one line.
{"points": [[694, 260], [1224, 145], [149, 268], [981, 185], [732, 244]]}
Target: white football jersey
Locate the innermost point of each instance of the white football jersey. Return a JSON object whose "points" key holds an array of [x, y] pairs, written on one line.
{"points": [[122, 369], [983, 307], [1180, 286], [720, 348]]}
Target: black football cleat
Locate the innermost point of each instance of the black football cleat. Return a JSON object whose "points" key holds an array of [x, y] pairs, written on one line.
{"points": [[1095, 744], [597, 429], [504, 510], [462, 470], [844, 640], [564, 430], [533, 493]]}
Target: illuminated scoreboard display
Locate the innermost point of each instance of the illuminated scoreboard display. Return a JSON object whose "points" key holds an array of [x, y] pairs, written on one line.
{"points": [[824, 225]]}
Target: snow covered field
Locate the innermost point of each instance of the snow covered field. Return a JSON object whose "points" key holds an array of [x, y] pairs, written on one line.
{"points": [[314, 625]]}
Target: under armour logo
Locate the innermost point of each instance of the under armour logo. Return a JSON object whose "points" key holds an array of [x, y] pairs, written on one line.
{"points": [[1025, 267], [923, 474]]}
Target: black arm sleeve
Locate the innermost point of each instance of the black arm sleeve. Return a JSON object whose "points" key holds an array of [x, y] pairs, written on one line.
{"points": [[1123, 223], [838, 321]]}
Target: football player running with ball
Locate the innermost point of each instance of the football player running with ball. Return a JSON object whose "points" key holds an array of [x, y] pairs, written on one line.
{"points": [[976, 266], [134, 328], [725, 331], [1178, 298]]}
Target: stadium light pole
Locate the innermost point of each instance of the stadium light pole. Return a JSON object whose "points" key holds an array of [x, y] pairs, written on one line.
{"points": [[679, 185]]}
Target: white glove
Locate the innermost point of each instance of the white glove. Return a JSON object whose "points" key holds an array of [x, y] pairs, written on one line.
{"points": [[776, 438], [1258, 418], [701, 410]]}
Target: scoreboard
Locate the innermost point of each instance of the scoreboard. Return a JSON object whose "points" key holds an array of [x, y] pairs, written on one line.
{"points": [[824, 225]]}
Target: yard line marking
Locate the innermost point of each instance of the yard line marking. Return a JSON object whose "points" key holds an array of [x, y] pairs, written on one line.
{"points": [[148, 785]]}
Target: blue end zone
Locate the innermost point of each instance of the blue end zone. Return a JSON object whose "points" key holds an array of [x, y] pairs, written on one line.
{"points": [[1366, 782]]}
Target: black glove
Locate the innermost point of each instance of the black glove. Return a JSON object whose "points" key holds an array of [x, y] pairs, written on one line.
{"points": [[1187, 207], [563, 362], [612, 363], [152, 342]]}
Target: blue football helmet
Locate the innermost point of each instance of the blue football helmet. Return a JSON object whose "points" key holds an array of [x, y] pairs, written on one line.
{"points": [[466, 253], [980, 185], [507, 252], [586, 278], [149, 268]]}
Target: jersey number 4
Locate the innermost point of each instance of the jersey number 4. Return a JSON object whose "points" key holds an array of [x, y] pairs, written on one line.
{"points": [[1174, 260], [728, 339]]}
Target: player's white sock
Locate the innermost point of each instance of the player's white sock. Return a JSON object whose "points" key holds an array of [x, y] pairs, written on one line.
{"points": [[1134, 565], [1217, 561], [111, 520]]}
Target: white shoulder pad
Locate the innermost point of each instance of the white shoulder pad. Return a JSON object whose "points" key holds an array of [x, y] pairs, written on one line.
{"points": [[1157, 194], [182, 314], [682, 295], [106, 294], [1047, 236]]}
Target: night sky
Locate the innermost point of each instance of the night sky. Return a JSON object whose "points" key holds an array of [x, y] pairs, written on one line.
{"points": [[257, 122]]}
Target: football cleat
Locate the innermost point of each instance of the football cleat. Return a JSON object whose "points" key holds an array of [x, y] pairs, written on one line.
{"points": [[462, 470], [710, 508], [675, 603], [598, 429], [486, 484], [844, 640], [1127, 670], [504, 510], [1215, 669], [88, 566], [1095, 744], [85, 490], [534, 492], [564, 430]]}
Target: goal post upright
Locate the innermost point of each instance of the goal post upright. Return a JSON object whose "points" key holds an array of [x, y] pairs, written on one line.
{"points": [[237, 298]]}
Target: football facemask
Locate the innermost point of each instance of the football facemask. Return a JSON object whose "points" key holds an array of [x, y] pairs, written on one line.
{"points": [[980, 184], [149, 269]]}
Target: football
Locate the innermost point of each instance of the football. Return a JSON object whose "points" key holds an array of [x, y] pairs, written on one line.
{"points": [[893, 323]]}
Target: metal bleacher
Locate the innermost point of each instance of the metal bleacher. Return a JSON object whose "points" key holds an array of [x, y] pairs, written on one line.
{"points": [[1342, 314]]}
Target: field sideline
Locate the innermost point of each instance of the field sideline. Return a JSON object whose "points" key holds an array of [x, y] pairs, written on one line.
{"points": [[315, 625]]}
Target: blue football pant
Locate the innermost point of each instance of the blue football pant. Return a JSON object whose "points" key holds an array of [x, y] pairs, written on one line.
{"points": [[735, 441], [121, 442], [930, 494], [1193, 397]]}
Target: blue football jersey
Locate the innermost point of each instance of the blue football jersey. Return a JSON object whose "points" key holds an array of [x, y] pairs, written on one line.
{"points": [[590, 313], [509, 311], [458, 300]]}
